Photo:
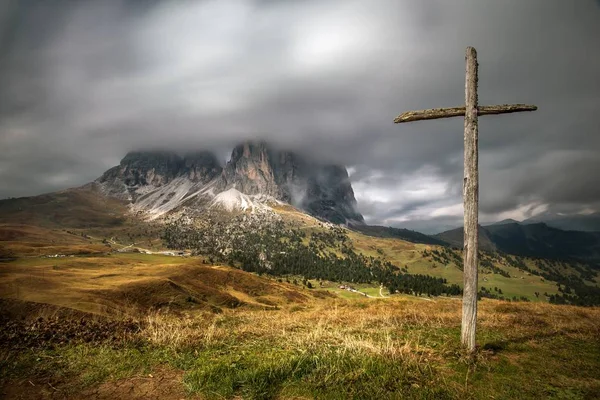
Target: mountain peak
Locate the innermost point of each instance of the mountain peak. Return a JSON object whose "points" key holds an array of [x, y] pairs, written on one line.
{"points": [[250, 149], [320, 189], [250, 170], [160, 182], [506, 221]]}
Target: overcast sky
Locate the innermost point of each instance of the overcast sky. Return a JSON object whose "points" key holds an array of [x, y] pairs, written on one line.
{"points": [[83, 82]]}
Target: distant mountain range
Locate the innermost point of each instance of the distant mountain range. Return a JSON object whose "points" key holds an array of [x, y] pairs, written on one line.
{"points": [[577, 222], [531, 239], [573, 222]]}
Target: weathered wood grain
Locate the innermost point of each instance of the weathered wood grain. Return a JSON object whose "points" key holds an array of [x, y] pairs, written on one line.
{"points": [[437, 113], [471, 204]]}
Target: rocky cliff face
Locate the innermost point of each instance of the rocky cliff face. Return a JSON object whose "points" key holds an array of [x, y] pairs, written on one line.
{"points": [[330, 195], [201, 166], [159, 182], [250, 170], [139, 170]]}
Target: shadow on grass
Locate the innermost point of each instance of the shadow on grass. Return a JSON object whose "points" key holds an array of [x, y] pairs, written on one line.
{"points": [[501, 345]]}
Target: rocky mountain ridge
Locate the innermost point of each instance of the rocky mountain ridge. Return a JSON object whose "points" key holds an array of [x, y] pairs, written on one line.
{"points": [[158, 183]]}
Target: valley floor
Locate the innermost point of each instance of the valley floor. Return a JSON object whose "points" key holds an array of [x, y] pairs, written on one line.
{"points": [[141, 326]]}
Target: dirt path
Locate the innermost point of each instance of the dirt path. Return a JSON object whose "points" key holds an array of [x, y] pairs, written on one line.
{"points": [[161, 384]]}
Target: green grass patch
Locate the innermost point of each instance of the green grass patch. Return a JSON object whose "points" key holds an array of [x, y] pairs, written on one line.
{"points": [[272, 373], [550, 368]]}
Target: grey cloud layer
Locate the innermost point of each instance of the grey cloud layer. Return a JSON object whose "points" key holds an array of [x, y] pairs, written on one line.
{"points": [[84, 82]]}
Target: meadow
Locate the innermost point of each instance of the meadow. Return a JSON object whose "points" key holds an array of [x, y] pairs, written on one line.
{"points": [[163, 339]]}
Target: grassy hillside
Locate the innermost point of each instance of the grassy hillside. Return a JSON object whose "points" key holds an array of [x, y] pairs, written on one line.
{"points": [[74, 221], [18, 240], [501, 275], [74, 208], [404, 234], [80, 222], [133, 284]]}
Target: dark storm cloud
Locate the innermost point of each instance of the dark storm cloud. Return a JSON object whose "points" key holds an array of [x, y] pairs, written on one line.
{"points": [[84, 82]]}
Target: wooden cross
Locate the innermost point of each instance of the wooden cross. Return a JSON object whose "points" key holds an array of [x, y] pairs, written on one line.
{"points": [[470, 185]]}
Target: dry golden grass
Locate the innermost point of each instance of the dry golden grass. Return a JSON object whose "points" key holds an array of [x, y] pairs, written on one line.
{"points": [[419, 335], [389, 327], [74, 208], [397, 347], [132, 284], [25, 240]]}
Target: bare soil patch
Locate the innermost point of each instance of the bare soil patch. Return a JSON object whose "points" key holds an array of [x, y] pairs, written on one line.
{"points": [[161, 384]]}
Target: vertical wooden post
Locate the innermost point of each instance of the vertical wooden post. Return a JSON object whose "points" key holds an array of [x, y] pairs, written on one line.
{"points": [[471, 204]]}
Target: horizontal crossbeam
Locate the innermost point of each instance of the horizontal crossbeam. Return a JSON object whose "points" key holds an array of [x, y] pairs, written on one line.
{"points": [[437, 113]]}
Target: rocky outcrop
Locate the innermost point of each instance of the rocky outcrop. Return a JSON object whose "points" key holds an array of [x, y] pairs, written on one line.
{"points": [[322, 190], [140, 170], [201, 166], [160, 182], [250, 170]]}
